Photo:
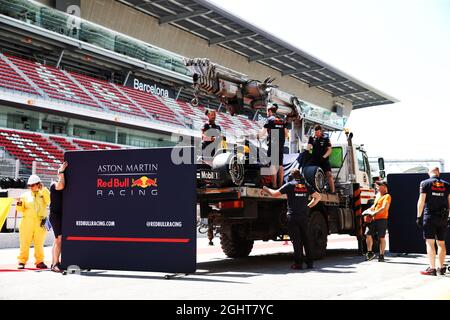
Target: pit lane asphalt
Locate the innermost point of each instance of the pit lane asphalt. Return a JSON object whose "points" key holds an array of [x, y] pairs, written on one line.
{"points": [[265, 274]]}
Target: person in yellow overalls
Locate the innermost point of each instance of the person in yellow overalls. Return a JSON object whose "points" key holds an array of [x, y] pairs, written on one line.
{"points": [[33, 206]]}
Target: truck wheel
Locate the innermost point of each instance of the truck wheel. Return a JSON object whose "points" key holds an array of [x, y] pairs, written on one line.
{"points": [[316, 177], [234, 246], [231, 170], [318, 235]]}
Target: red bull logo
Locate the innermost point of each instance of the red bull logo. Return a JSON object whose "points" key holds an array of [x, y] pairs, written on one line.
{"points": [[438, 186], [113, 183], [300, 188], [127, 187], [144, 182]]}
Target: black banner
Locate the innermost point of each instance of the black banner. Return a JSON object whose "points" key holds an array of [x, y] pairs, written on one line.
{"points": [[151, 87], [129, 210], [404, 235]]}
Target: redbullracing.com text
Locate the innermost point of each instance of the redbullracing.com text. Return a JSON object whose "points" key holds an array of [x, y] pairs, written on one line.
{"points": [[95, 223]]}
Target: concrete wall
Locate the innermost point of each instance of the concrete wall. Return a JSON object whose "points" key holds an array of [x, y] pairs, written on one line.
{"points": [[117, 16]]}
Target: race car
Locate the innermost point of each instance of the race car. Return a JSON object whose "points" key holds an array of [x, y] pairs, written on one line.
{"points": [[245, 164]]}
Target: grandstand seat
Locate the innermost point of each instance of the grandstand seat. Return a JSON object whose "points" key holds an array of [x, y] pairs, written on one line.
{"points": [[196, 115], [46, 151], [54, 82], [154, 106], [29, 147], [87, 145], [247, 124], [109, 96], [10, 79], [224, 121], [57, 85], [64, 143]]}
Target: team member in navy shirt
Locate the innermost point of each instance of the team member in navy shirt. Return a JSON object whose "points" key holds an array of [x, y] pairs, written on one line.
{"points": [[434, 202], [298, 192], [210, 132], [321, 151], [276, 131]]}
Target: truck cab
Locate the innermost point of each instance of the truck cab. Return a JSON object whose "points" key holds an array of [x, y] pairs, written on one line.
{"points": [[350, 163]]}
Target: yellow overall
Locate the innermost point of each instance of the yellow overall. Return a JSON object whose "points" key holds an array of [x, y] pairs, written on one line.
{"points": [[33, 209]]}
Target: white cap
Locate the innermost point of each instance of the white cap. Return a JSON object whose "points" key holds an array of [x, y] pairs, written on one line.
{"points": [[33, 179]]}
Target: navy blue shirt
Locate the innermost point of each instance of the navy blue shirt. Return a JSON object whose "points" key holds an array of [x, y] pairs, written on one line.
{"points": [[320, 146], [298, 192], [437, 191], [275, 124], [210, 130]]}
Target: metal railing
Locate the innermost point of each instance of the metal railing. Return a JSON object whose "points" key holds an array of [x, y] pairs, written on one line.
{"points": [[34, 13], [8, 168], [82, 106]]}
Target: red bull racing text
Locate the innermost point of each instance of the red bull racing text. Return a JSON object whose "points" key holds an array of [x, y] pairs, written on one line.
{"points": [[124, 187]]}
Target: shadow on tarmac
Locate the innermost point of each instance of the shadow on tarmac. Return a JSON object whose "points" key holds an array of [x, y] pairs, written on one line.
{"points": [[102, 274], [338, 261], [335, 261]]}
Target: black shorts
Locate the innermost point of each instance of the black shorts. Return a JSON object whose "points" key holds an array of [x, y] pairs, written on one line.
{"points": [[56, 221], [434, 227], [377, 227], [324, 164]]}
